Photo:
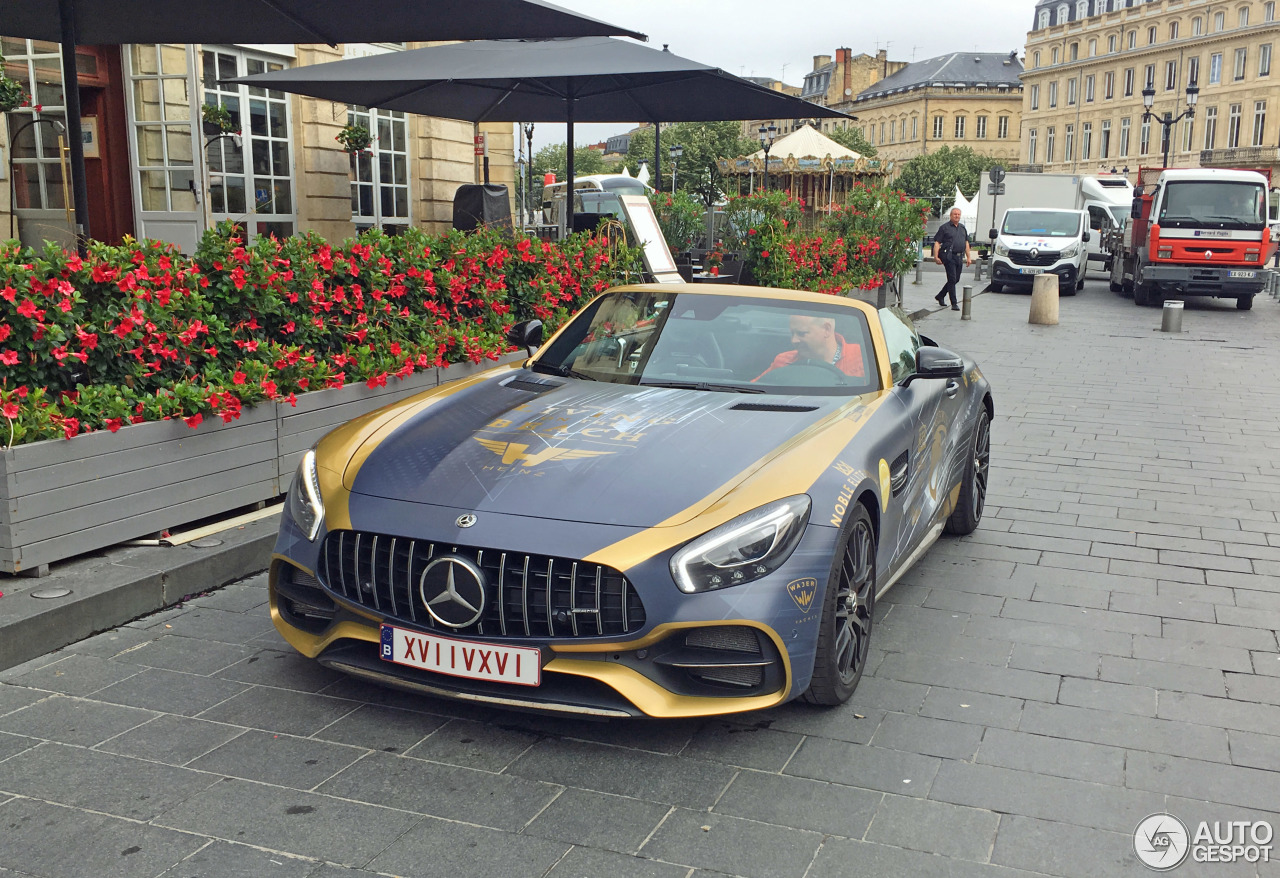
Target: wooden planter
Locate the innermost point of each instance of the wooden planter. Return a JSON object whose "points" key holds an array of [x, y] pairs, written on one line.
{"points": [[62, 498]]}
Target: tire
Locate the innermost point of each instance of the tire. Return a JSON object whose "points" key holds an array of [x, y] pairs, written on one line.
{"points": [[995, 287], [1141, 294], [1115, 287], [973, 486], [1244, 303], [1080, 283], [848, 605]]}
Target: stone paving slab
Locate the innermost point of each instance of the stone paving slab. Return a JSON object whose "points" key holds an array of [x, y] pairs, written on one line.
{"points": [[1105, 646]]}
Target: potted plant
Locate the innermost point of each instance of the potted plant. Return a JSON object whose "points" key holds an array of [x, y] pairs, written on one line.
{"points": [[355, 139], [12, 92], [216, 120]]}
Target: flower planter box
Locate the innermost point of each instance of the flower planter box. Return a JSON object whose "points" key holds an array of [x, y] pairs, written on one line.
{"points": [[62, 498]]}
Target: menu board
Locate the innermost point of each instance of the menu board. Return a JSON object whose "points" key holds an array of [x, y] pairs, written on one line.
{"points": [[648, 235]]}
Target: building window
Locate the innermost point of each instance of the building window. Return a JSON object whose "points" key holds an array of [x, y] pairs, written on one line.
{"points": [[1233, 127], [937, 127], [1002, 128], [1170, 75], [1133, 39], [1219, 22], [1144, 138], [1035, 96], [1088, 89], [1128, 83], [1269, 11], [1243, 18], [1264, 59], [1071, 92], [380, 175], [1108, 86], [1082, 9], [980, 128], [1111, 44], [914, 129], [1151, 35], [1068, 142], [1188, 132], [1173, 30], [1064, 13], [1053, 57], [1259, 121], [882, 132], [1074, 49], [1215, 68], [1197, 26], [1031, 146], [1093, 48], [1086, 140], [959, 127], [1035, 60], [1124, 138], [1193, 70], [1049, 137], [1238, 72], [1210, 126], [1053, 94], [1104, 140], [37, 170], [1149, 76], [903, 131], [1044, 19], [262, 186]]}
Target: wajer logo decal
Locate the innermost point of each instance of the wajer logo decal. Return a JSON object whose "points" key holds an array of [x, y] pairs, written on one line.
{"points": [[518, 453], [802, 592]]}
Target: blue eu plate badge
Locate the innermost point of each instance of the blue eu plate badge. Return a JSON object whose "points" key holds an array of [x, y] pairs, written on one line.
{"points": [[388, 648]]}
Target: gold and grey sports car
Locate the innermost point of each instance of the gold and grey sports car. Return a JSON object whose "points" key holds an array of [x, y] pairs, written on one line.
{"points": [[685, 503]]}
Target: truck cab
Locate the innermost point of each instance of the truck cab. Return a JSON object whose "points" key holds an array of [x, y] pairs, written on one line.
{"points": [[1107, 199], [1034, 241]]}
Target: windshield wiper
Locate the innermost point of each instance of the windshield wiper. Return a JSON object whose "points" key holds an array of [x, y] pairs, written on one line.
{"points": [[563, 371], [703, 385]]}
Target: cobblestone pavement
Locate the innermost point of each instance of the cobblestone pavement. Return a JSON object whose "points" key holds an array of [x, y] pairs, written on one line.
{"points": [[1102, 648]]}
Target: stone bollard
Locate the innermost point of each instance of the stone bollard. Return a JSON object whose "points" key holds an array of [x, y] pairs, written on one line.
{"points": [[1171, 316], [1044, 300], [919, 272], [977, 269], [966, 303]]}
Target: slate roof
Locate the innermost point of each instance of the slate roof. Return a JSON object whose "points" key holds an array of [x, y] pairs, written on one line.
{"points": [[967, 69]]}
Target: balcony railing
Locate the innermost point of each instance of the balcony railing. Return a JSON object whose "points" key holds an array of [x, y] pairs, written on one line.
{"points": [[1240, 157]]}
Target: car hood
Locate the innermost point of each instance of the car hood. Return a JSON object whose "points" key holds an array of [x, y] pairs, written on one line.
{"points": [[578, 450]]}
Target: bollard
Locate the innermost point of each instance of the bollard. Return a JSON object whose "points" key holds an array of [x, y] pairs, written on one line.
{"points": [[1044, 300], [919, 272], [977, 269], [1171, 316], [966, 302]]}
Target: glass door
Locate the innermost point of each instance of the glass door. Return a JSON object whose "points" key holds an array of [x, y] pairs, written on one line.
{"points": [[380, 175]]}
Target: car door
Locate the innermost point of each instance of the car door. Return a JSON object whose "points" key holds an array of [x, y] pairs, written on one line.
{"points": [[921, 472]]}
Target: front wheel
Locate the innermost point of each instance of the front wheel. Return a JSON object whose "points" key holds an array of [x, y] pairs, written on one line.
{"points": [[973, 485], [844, 638], [1244, 303], [995, 287]]}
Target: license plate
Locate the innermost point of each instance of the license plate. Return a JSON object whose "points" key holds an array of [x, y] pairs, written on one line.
{"points": [[1247, 274], [462, 658], [1032, 270]]}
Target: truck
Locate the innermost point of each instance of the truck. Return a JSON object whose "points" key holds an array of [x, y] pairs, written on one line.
{"points": [[1105, 197], [1040, 240], [593, 194], [1193, 232]]}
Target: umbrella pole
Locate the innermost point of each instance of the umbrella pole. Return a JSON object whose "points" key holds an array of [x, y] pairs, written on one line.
{"points": [[71, 87], [568, 147], [657, 158]]}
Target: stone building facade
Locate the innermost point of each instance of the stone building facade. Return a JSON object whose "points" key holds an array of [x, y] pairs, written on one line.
{"points": [[1088, 61], [832, 81]]}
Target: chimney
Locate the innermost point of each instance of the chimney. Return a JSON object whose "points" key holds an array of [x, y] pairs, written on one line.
{"points": [[821, 61], [845, 56]]}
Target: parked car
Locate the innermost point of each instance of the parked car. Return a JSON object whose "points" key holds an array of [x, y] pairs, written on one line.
{"points": [[686, 503], [1034, 241]]}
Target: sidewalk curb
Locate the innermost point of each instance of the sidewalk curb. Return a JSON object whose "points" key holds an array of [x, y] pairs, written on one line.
{"points": [[117, 585]]}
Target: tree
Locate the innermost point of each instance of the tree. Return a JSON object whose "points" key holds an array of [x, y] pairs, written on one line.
{"points": [[702, 143], [936, 175], [852, 138]]}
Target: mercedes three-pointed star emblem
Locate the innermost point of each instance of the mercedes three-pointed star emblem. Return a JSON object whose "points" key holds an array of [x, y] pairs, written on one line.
{"points": [[452, 588]]}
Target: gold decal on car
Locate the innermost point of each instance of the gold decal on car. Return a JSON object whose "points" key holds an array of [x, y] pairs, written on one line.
{"points": [[802, 591], [885, 486], [516, 452]]}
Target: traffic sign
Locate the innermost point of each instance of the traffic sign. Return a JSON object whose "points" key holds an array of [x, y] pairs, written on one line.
{"points": [[996, 173], [995, 188]]}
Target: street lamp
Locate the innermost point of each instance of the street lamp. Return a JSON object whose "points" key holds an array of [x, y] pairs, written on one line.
{"points": [[675, 151], [767, 135], [1168, 120], [528, 133]]}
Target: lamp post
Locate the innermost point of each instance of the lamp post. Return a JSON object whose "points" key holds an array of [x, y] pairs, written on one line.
{"points": [[767, 135], [1168, 120], [675, 152], [528, 200]]}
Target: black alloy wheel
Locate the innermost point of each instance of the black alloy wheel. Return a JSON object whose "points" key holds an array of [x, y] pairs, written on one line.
{"points": [[973, 485], [844, 638]]}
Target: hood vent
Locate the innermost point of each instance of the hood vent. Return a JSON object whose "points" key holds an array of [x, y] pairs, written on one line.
{"points": [[532, 385], [771, 407]]}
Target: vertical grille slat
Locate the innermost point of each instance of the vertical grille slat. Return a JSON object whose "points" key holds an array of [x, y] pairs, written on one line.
{"points": [[379, 571]]}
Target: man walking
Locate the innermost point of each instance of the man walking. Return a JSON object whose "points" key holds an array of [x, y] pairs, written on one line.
{"points": [[950, 247]]}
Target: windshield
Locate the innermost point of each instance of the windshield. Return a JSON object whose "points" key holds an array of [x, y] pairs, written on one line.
{"points": [[1120, 212], [624, 186], [1042, 223], [1216, 203], [727, 343]]}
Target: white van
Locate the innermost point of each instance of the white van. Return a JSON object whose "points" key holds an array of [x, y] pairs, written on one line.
{"points": [[553, 212], [1032, 241]]}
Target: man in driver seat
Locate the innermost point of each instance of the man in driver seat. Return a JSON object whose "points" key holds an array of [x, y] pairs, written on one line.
{"points": [[816, 340]]}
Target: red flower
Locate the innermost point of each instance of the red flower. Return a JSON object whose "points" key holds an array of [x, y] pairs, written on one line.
{"points": [[238, 378], [9, 358], [70, 427], [194, 420], [114, 424], [10, 410]]}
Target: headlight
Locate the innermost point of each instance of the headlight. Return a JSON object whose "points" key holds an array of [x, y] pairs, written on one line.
{"points": [[1001, 249], [748, 547], [304, 503], [1069, 252]]}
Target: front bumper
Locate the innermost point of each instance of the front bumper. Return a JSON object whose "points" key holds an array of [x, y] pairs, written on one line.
{"points": [[1185, 280], [1004, 272]]}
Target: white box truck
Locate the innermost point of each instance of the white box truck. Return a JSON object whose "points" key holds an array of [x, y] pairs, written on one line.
{"points": [[1105, 197]]}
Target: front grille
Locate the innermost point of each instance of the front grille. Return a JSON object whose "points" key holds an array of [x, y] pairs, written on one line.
{"points": [[1024, 257], [526, 595]]}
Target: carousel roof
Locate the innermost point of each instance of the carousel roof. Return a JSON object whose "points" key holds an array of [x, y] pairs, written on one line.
{"points": [[807, 142]]}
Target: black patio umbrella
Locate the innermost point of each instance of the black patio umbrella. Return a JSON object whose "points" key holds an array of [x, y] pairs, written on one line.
{"points": [[98, 22], [582, 79]]}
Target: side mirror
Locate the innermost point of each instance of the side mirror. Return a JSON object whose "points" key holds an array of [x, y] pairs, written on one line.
{"points": [[993, 234], [932, 362], [1135, 212], [527, 335], [1085, 237]]}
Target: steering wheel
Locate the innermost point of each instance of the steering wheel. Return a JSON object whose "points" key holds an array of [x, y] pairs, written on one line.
{"points": [[841, 378]]}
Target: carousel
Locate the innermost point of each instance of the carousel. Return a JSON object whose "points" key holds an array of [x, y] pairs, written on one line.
{"points": [[806, 164]]}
